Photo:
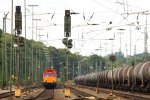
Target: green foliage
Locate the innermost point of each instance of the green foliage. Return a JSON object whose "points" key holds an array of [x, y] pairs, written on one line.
{"points": [[62, 78], [1, 33]]}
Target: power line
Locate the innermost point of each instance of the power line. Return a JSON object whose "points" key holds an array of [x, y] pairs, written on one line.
{"points": [[124, 4]]}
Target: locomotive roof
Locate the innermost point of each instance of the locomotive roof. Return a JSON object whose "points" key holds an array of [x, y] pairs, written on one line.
{"points": [[50, 71]]}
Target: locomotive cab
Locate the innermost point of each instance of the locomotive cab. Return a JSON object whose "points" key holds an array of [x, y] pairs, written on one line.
{"points": [[49, 79]]}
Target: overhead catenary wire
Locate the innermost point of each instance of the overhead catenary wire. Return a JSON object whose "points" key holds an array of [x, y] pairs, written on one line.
{"points": [[127, 4], [110, 9]]}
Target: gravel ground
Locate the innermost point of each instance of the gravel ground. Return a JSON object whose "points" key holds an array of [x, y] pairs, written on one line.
{"points": [[59, 95]]}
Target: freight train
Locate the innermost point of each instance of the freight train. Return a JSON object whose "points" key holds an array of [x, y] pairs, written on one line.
{"points": [[134, 78], [49, 79]]}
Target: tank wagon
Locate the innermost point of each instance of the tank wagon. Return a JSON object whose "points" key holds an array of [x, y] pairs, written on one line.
{"points": [[129, 77]]}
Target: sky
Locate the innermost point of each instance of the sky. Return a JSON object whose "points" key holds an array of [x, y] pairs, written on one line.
{"points": [[87, 38]]}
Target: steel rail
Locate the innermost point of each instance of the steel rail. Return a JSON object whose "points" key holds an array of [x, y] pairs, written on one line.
{"points": [[125, 94]]}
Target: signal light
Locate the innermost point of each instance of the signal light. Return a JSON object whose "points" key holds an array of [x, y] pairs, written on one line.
{"points": [[112, 58], [67, 13], [18, 18], [18, 9], [67, 24], [70, 43], [21, 41], [65, 41]]}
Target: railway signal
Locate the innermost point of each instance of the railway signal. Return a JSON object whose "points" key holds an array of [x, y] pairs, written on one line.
{"points": [[20, 42], [67, 24], [18, 18], [67, 43], [112, 58]]}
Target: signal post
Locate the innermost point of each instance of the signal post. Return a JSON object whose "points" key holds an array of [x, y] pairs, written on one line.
{"points": [[19, 41], [111, 95], [68, 43]]}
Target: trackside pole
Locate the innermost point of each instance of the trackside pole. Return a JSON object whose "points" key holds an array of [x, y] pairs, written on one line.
{"points": [[19, 41], [68, 43]]}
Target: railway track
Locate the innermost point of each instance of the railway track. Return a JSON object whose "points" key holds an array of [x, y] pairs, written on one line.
{"points": [[7, 94], [45, 95], [124, 94], [33, 96], [83, 95]]}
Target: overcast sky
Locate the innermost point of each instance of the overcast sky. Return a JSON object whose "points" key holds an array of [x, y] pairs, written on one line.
{"points": [[87, 39]]}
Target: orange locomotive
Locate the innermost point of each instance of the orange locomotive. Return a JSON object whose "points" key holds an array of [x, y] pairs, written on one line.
{"points": [[49, 79]]}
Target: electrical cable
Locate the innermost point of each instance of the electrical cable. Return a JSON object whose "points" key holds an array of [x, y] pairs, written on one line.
{"points": [[110, 9], [126, 5]]}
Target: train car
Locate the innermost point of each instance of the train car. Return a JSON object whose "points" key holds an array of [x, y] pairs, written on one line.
{"points": [[49, 79], [135, 78]]}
